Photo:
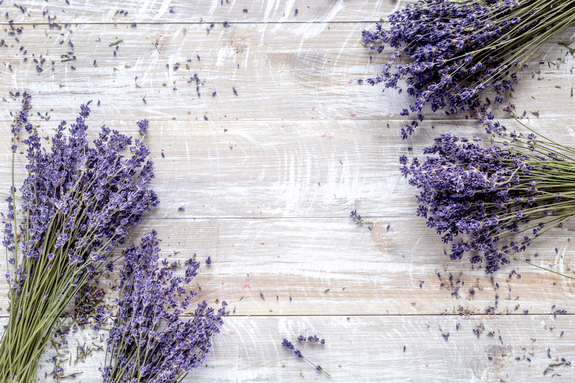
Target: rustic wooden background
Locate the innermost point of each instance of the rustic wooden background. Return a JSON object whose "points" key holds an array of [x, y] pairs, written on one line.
{"points": [[269, 179]]}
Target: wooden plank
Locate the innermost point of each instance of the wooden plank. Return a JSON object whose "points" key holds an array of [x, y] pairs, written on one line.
{"points": [[206, 12], [386, 265], [370, 349], [333, 267], [268, 182], [280, 73], [279, 169]]}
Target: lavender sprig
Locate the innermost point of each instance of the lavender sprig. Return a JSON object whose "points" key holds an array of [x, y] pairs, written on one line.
{"points": [[310, 339], [287, 344], [517, 189], [358, 219], [458, 50], [149, 342], [78, 203]]}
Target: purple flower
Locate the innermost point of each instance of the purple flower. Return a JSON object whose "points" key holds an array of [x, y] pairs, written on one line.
{"points": [[288, 344], [147, 322], [80, 200], [448, 53], [488, 193]]}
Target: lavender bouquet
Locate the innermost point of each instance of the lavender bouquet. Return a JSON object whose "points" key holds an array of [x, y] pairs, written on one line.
{"points": [[77, 205], [149, 342], [516, 189], [458, 50]]}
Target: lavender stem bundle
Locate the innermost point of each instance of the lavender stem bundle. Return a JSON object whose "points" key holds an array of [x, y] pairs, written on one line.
{"points": [[458, 50], [516, 189], [77, 204], [149, 342]]}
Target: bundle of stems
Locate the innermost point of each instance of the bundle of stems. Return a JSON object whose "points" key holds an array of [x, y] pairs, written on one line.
{"points": [[77, 204], [150, 342], [458, 49], [517, 189]]}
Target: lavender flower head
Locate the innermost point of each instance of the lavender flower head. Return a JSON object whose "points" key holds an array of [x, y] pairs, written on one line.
{"points": [[517, 189], [149, 342], [94, 194], [457, 50]]}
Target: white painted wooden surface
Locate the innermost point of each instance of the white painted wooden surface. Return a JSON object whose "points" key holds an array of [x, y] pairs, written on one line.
{"points": [[268, 181]]}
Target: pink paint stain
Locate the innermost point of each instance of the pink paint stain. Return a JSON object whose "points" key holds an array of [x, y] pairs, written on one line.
{"points": [[326, 136], [246, 283], [263, 243], [313, 109], [353, 115], [350, 81]]}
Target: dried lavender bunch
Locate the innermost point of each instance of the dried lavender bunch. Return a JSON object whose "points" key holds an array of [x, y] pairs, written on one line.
{"points": [[77, 205], [149, 341], [458, 50], [516, 189]]}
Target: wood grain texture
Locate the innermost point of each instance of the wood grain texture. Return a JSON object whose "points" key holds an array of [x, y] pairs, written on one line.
{"points": [[371, 349], [205, 12], [331, 267], [269, 179], [281, 72]]}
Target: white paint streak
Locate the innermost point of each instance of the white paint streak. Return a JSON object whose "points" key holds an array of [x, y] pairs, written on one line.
{"points": [[162, 10], [287, 10], [188, 152], [247, 57], [213, 6], [310, 30], [269, 7]]}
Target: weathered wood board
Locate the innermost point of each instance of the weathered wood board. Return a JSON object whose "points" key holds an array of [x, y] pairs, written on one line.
{"points": [[268, 178], [371, 349]]}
